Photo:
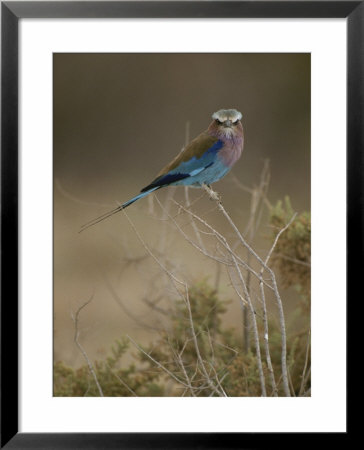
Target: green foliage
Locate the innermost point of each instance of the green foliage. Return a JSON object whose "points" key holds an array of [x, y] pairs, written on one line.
{"points": [[177, 348], [114, 380], [292, 254], [243, 376], [219, 350], [292, 258]]}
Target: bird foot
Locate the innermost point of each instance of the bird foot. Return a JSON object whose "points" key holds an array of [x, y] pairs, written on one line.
{"points": [[212, 194]]}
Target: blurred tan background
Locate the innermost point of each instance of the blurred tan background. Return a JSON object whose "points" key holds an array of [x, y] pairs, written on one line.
{"points": [[119, 118]]}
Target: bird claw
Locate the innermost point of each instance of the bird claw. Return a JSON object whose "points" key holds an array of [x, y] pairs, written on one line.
{"points": [[212, 194]]}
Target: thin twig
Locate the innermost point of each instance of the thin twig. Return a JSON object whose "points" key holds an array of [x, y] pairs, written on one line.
{"points": [[223, 241], [157, 363], [275, 288], [273, 279], [282, 321], [197, 349], [82, 350], [303, 377], [122, 381], [266, 343]]}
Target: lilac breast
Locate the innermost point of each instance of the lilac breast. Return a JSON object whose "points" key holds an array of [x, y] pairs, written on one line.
{"points": [[231, 152]]}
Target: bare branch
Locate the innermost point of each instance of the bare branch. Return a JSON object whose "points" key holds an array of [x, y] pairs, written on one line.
{"points": [[303, 376], [157, 363], [223, 241], [122, 381], [273, 279], [82, 350], [208, 379]]}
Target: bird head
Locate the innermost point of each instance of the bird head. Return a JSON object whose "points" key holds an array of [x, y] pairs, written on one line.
{"points": [[226, 122]]}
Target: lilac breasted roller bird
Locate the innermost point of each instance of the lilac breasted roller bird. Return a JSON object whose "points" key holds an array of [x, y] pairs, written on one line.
{"points": [[205, 160]]}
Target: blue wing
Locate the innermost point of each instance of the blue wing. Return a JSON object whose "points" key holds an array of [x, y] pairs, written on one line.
{"points": [[182, 168], [200, 154]]}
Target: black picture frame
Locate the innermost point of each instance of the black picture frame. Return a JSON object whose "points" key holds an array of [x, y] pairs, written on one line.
{"points": [[11, 12]]}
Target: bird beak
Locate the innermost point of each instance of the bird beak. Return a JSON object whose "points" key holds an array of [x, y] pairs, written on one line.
{"points": [[227, 123]]}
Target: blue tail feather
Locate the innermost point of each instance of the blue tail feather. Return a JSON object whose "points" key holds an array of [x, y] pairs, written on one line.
{"points": [[119, 208], [137, 197]]}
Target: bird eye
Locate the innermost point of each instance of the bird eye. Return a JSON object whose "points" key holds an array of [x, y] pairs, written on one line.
{"points": [[236, 122], [218, 121]]}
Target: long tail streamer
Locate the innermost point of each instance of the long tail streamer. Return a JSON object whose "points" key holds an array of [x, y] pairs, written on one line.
{"points": [[116, 210]]}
